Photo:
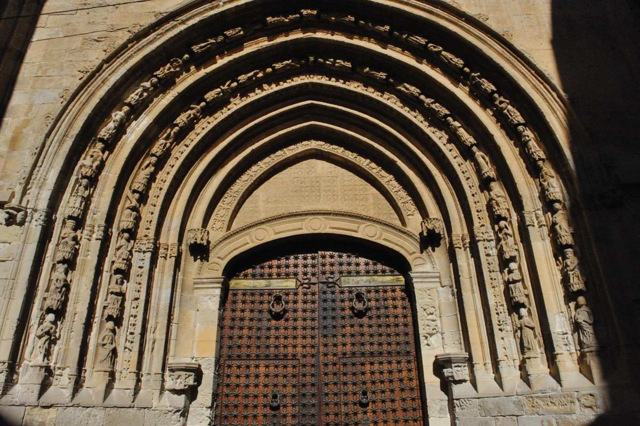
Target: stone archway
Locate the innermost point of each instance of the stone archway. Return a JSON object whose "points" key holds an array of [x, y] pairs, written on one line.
{"points": [[470, 160]]}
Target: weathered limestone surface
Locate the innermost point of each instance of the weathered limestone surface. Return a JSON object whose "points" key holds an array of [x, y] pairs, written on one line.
{"points": [[139, 157]]}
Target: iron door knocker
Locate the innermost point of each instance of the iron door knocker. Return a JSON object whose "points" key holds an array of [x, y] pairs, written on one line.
{"points": [[364, 398], [274, 402], [360, 304], [277, 306]]}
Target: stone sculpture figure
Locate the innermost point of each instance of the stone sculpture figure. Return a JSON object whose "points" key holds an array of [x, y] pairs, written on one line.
{"points": [[189, 117], [561, 227], [531, 148], [511, 113], [171, 69], [129, 219], [108, 132], [482, 84], [123, 252], [68, 241], [13, 214], [571, 271], [506, 242], [142, 92], [460, 132], [498, 201], [513, 279], [583, 319], [527, 335], [58, 289], [549, 183], [116, 291], [91, 165], [44, 338], [77, 202], [141, 181], [484, 165], [167, 138], [108, 346]]}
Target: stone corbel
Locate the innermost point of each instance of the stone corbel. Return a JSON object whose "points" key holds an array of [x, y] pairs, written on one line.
{"points": [[432, 232], [198, 242], [455, 372], [182, 376]]}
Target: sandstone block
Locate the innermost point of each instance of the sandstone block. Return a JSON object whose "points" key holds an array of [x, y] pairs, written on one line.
{"points": [[11, 414], [504, 406], [124, 416], [38, 416], [75, 416], [551, 404]]}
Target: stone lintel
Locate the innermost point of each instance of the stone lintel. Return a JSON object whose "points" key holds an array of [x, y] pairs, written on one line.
{"points": [[426, 279]]}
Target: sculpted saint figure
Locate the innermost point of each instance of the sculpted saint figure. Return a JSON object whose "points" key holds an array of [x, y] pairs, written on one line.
{"points": [[108, 345], [561, 227], [116, 290], [527, 332], [129, 219], [571, 272], [44, 336], [513, 278], [68, 242], [90, 165], [526, 137], [498, 201], [78, 199], [484, 165], [506, 242], [549, 183], [482, 84], [123, 252], [460, 132], [584, 325], [142, 92], [59, 288], [109, 131], [141, 181]]}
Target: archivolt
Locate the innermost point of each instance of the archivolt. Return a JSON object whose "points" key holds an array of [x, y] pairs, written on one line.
{"points": [[395, 91]]}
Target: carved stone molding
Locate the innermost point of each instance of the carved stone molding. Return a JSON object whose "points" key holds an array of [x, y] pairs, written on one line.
{"points": [[432, 231], [182, 376], [454, 367], [198, 238]]}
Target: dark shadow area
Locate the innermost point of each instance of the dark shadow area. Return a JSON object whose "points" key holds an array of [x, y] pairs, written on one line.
{"points": [[598, 56], [18, 19]]}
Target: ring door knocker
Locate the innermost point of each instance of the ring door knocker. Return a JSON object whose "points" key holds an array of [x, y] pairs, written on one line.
{"points": [[277, 306], [360, 304], [364, 398], [274, 402]]}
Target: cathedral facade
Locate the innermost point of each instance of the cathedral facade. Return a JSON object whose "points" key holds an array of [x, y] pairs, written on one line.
{"points": [[318, 212]]}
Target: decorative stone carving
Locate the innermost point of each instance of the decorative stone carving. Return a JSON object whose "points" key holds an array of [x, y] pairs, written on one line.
{"points": [[107, 353], [428, 319], [45, 335], [530, 146], [129, 219], [583, 319], [181, 376], [115, 294], [66, 249], [92, 163], [432, 231], [454, 367], [549, 184], [58, 289], [13, 214], [527, 335], [144, 175], [122, 255], [571, 271], [481, 84], [459, 131], [560, 226], [506, 241], [75, 208], [498, 201], [273, 21], [512, 115], [189, 117], [513, 279], [198, 238], [142, 92], [111, 130], [484, 165], [170, 70]]}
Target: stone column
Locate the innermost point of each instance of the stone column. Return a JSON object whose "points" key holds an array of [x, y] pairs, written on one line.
{"points": [[426, 285]]}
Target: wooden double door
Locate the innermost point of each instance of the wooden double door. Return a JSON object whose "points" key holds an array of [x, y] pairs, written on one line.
{"points": [[319, 338]]}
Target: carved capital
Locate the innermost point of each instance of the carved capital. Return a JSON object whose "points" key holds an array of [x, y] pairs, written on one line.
{"points": [[182, 376], [198, 238], [483, 233], [13, 214], [144, 245], [432, 231], [454, 367]]}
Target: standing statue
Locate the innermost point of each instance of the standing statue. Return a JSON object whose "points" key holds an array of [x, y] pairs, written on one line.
{"points": [[549, 183], [44, 335], [108, 346], [58, 289], [68, 241], [113, 305], [123, 252], [141, 181], [571, 271], [513, 279], [506, 242], [498, 201], [583, 319], [81, 192], [109, 131], [560, 225], [90, 165], [527, 335], [142, 92], [484, 165]]}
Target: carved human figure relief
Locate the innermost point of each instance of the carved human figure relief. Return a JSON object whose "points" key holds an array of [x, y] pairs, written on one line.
{"points": [[498, 201], [118, 119], [91, 165], [549, 183], [462, 135], [68, 242], [513, 279], [45, 335], [58, 289], [583, 319], [484, 165], [108, 346], [142, 92], [530, 146], [143, 177], [506, 242], [527, 335], [75, 208], [560, 225], [428, 319], [123, 252], [571, 271], [115, 294]]}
